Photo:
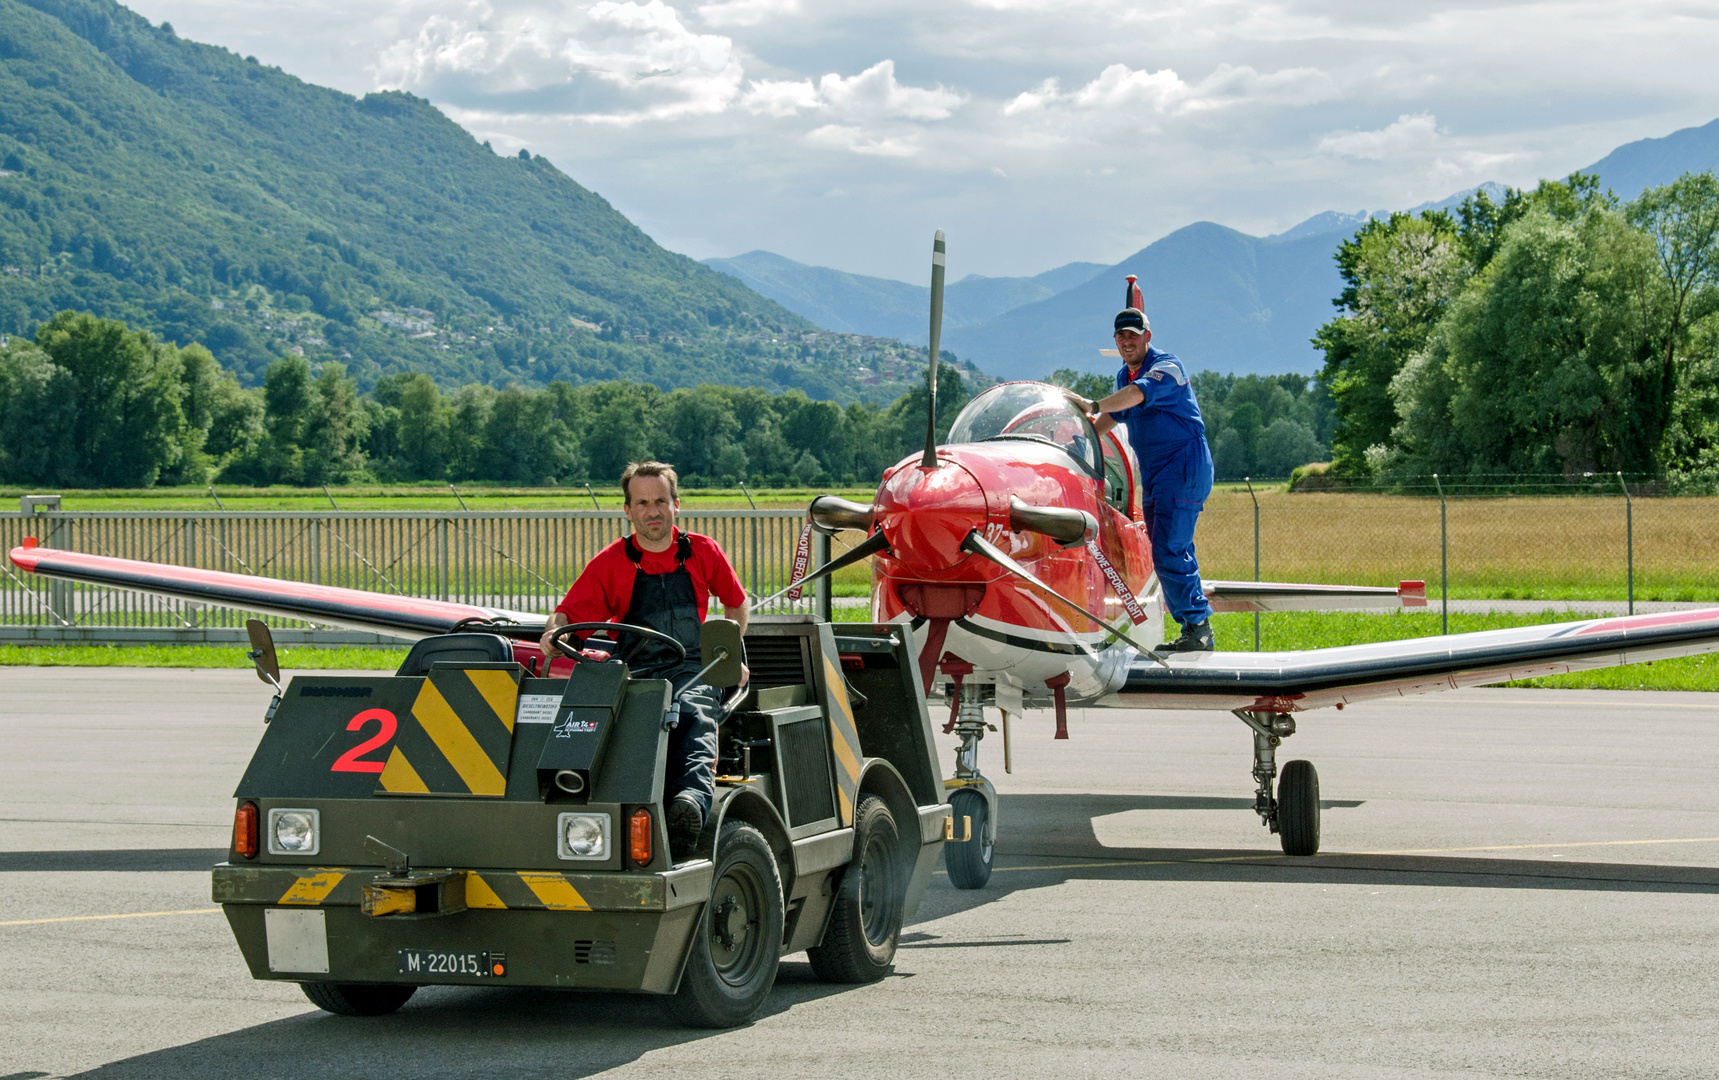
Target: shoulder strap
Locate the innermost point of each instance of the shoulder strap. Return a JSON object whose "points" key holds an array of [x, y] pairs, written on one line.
{"points": [[682, 550]]}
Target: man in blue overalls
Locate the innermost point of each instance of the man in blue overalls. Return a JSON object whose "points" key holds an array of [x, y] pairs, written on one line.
{"points": [[1156, 401]]}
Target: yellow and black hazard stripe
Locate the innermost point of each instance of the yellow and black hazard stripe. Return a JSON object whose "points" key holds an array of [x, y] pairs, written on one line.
{"points": [[844, 739], [459, 736]]}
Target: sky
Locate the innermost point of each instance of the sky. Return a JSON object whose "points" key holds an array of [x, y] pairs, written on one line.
{"points": [[1035, 132]]}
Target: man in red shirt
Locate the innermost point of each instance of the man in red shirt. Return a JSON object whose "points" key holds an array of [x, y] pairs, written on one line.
{"points": [[663, 578]]}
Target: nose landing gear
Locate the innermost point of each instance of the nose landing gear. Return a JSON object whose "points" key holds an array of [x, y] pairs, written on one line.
{"points": [[1293, 814], [973, 833]]}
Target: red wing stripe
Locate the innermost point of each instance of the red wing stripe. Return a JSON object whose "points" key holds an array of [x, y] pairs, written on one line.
{"points": [[405, 615]]}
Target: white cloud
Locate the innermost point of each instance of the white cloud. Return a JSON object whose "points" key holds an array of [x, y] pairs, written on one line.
{"points": [[1409, 133], [873, 94], [1122, 87], [746, 12], [612, 62]]}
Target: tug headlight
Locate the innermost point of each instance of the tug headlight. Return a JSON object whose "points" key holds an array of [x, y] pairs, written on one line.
{"points": [[582, 836], [295, 832]]}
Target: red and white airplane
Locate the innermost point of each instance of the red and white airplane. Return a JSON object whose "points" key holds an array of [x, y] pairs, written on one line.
{"points": [[1016, 555]]}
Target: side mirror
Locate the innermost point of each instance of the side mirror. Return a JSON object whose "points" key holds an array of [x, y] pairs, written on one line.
{"points": [[268, 664], [721, 652]]}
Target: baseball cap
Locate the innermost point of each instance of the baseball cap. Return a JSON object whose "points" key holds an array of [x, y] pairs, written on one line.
{"points": [[1132, 320]]}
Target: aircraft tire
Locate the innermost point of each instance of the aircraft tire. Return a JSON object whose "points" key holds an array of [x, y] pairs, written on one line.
{"points": [[357, 999], [735, 949], [969, 861], [859, 944], [1298, 809]]}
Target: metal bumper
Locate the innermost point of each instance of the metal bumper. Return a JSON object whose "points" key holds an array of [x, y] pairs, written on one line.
{"points": [[622, 931]]}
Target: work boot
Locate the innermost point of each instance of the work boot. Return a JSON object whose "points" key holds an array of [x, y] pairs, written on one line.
{"points": [[1196, 637], [685, 823]]}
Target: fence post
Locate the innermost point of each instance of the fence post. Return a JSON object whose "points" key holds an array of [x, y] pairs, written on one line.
{"points": [[1629, 538], [1248, 480], [1443, 561], [826, 588], [442, 564]]}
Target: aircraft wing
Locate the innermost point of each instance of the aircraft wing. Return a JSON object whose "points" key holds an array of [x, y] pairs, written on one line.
{"points": [[1313, 678], [1283, 596], [355, 609]]}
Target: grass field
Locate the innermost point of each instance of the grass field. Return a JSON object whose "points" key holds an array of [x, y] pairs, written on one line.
{"points": [[1278, 631]]}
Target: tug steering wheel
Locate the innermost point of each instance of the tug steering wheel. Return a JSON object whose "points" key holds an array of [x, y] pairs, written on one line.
{"points": [[644, 634]]}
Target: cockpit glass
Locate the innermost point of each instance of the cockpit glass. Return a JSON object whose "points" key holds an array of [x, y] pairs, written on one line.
{"points": [[1031, 411]]}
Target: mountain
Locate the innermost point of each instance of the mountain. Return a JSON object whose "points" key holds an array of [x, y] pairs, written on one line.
{"points": [[855, 303], [204, 196], [1218, 298], [1634, 167]]}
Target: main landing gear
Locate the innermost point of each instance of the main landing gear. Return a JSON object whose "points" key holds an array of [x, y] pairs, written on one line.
{"points": [[1294, 813]]}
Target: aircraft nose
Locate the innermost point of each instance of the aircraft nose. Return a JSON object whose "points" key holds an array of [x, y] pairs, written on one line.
{"points": [[926, 514]]}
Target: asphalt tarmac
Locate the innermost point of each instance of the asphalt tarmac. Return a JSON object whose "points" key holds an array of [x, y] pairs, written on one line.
{"points": [[1513, 883]]}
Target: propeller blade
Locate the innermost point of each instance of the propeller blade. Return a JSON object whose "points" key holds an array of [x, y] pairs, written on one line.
{"points": [[871, 546], [978, 545], [929, 461]]}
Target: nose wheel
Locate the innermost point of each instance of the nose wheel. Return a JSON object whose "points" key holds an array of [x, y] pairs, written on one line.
{"points": [[1293, 813]]}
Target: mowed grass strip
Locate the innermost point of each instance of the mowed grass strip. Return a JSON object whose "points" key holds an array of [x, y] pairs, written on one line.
{"points": [[197, 656], [1292, 630]]}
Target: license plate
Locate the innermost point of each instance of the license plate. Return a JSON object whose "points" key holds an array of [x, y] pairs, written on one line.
{"points": [[429, 963]]}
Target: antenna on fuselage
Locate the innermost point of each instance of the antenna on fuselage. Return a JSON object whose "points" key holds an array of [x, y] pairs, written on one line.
{"points": [[929, 461]]}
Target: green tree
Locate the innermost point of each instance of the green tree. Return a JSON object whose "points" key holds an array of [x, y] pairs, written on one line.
{"points": [[525, 442], [1088, 385], [334, 430], [691, 429], [1401, 274], [38, 414], [126, 424]]}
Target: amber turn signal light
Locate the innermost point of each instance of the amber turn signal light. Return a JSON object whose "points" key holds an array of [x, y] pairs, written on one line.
{"points": [[639, 836], [245, 830]]}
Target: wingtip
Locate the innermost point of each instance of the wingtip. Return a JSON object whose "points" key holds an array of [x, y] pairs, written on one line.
{"points": [[26, 555]]}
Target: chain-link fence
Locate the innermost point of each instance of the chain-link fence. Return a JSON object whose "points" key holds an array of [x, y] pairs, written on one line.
{"points": [[523, 560], [1580, 541]]}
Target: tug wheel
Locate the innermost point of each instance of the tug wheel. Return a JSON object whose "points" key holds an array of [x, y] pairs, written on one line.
{"points": [[357, 999], [969, 861], [859, 944], [1298, 809], [732, 965]]}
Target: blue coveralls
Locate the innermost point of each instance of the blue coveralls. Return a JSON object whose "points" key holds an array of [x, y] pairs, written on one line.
{"points": [[1169, 440]]}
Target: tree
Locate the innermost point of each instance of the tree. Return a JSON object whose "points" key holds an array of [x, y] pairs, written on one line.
{"points": [[1682, 218], [126, 420], [38, 413], [524, 442], [335, 429], [1402, 273]]}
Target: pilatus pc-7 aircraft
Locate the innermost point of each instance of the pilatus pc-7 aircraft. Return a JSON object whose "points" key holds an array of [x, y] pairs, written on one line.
{"points": [[1016, 554]]}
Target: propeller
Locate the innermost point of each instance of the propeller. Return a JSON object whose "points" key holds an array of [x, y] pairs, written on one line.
{"points": [[929, 461], [978, 545], [871, 546]]}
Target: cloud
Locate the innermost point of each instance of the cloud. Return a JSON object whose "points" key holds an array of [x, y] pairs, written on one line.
{"points": [[746, 12], [858, 140], [1409, 133], [618, 63], [873, 94], [1122, 87]]}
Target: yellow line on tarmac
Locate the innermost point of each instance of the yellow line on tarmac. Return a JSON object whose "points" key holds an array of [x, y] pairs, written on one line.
{"points": [[130, 915], [1526, 847]]}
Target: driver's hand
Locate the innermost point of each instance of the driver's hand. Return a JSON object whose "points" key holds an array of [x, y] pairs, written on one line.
{"points": [[745, 673], [546, 643]]}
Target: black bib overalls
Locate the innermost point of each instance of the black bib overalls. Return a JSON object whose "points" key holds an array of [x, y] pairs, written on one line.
{"points": [[667, 603]]}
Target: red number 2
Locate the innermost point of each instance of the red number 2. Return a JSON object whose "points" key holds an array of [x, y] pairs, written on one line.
{"points": [[351, 761]]}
